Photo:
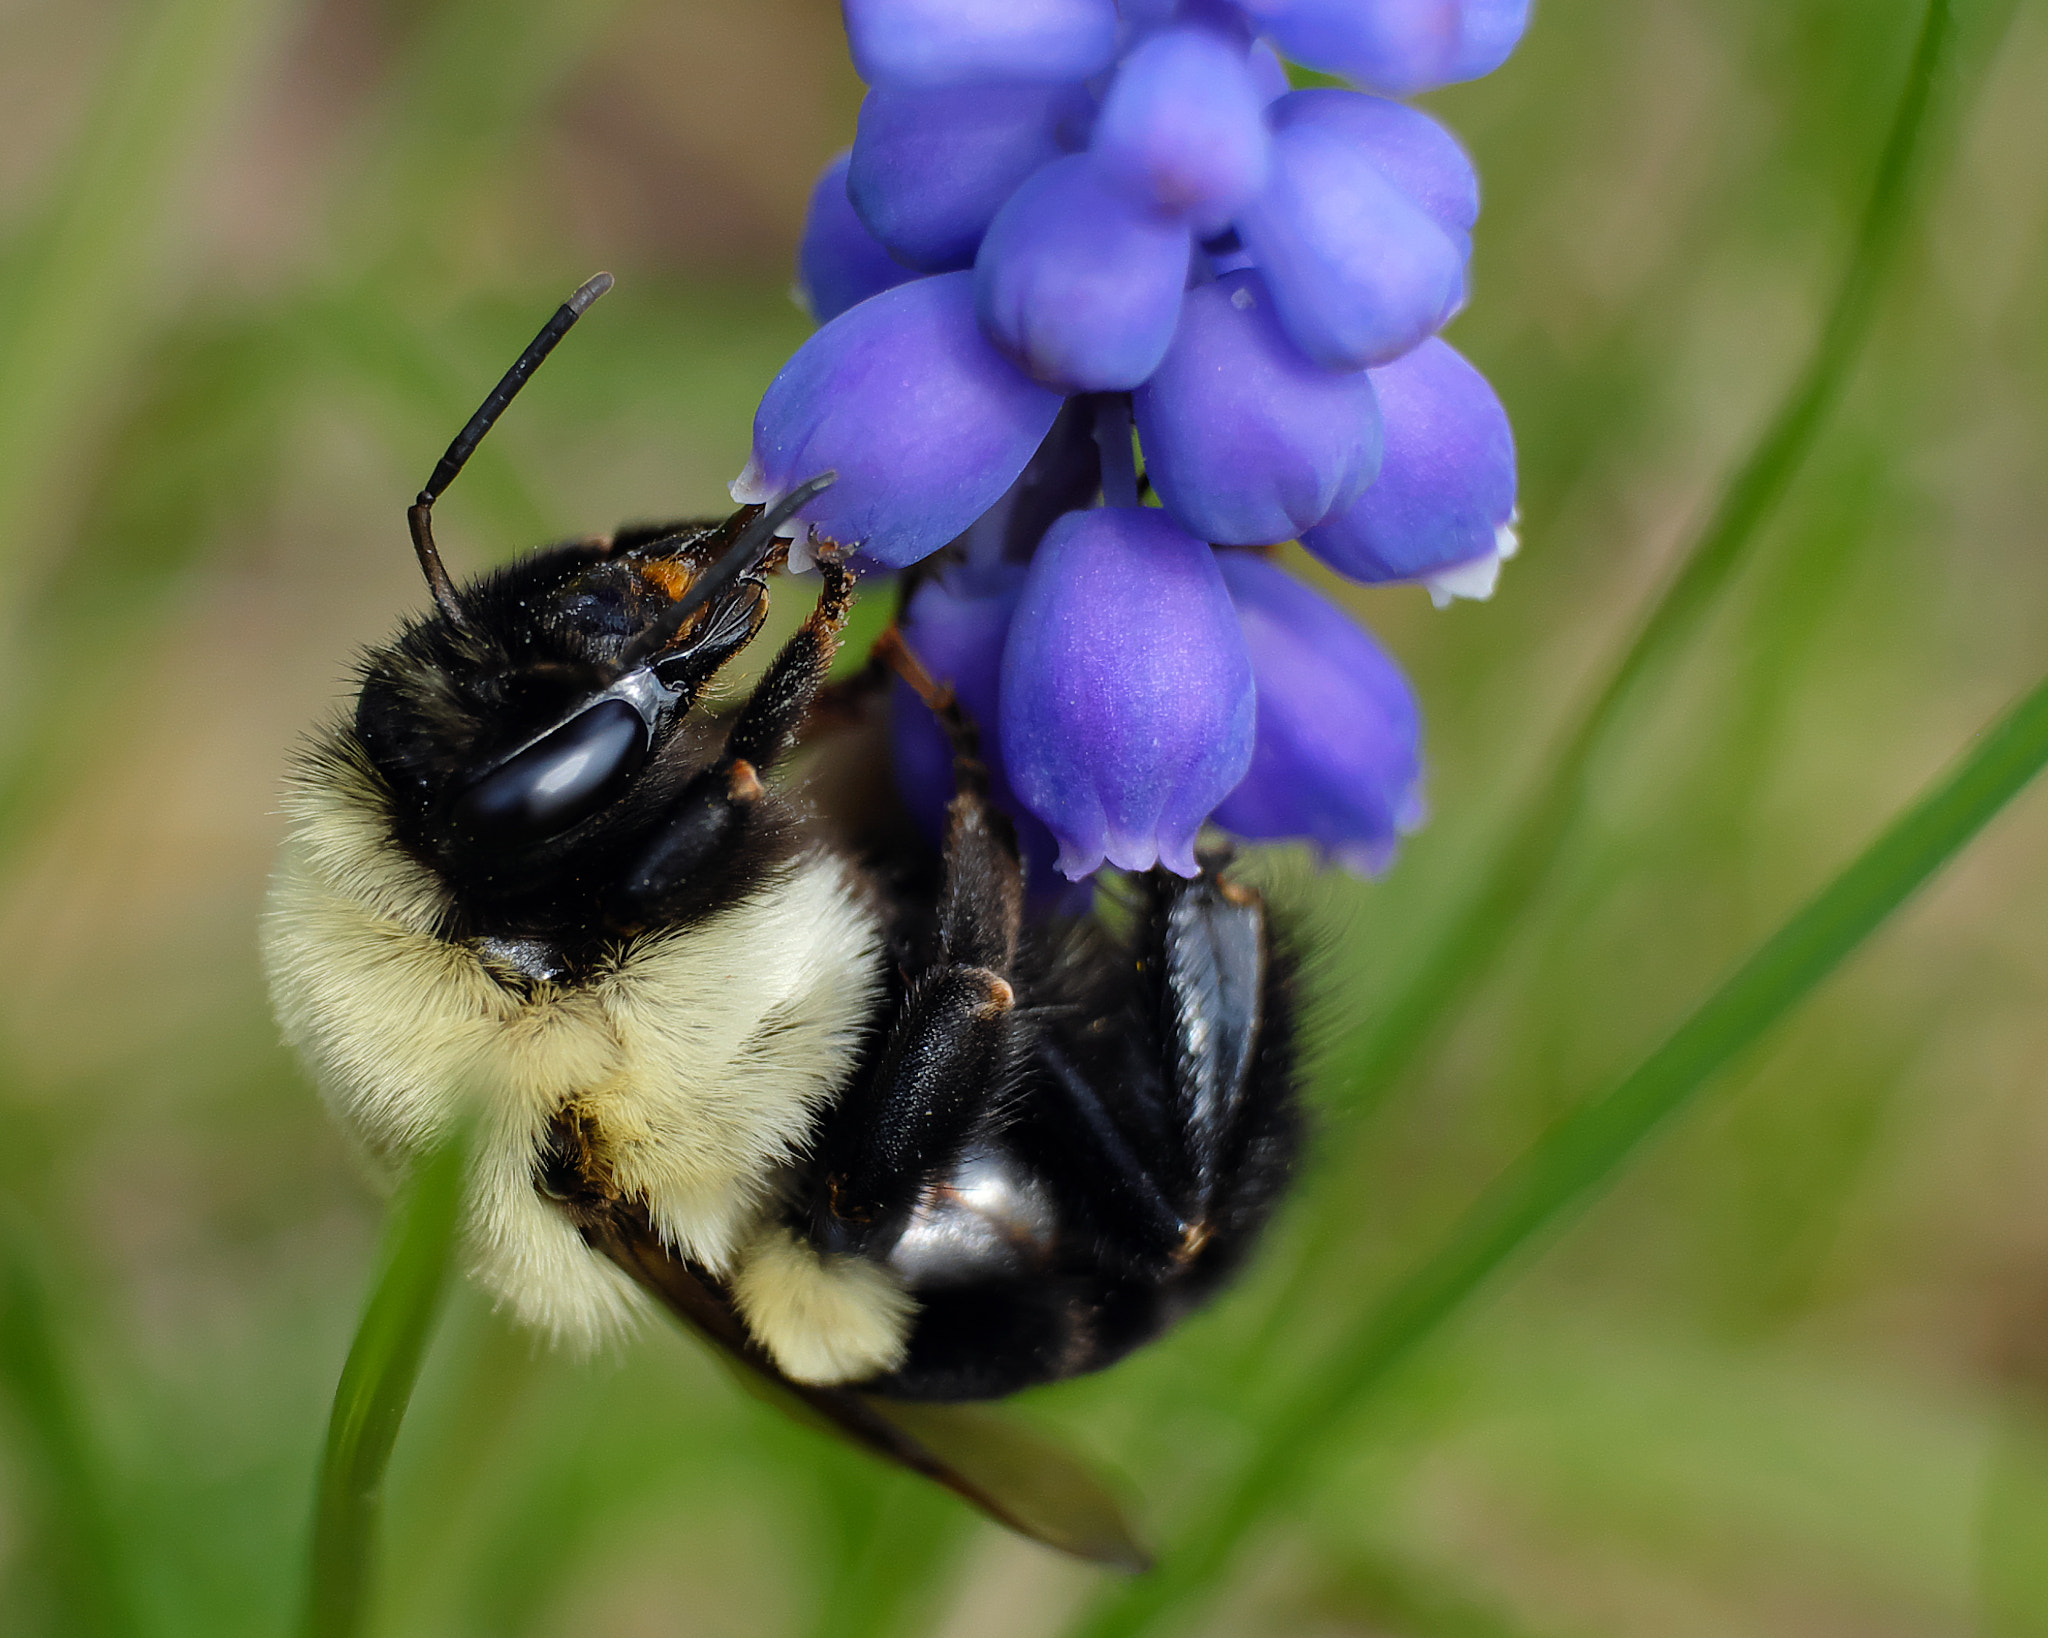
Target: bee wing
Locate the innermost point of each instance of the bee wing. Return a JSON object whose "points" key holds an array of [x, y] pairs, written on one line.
{"points": [[1016, 1475]]}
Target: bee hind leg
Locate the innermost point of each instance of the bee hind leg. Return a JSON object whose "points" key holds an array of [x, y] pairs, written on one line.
{"points": [[1221, 1001], [949, 1053]]}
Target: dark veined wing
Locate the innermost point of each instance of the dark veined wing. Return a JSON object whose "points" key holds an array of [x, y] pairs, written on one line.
{"points": [[1015, 1475]]}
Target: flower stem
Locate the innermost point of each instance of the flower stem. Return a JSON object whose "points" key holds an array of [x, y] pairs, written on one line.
{"points": [[1585, 1150], [375, 1388], [1476, 933]]}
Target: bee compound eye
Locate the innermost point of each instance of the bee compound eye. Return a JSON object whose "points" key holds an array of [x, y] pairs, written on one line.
{"points": [[559, 780]]}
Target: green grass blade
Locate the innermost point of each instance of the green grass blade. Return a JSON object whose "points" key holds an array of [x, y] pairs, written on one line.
{"points": [[73, 1537], [1587, 1148], [376, 1386], [1480, 929]]}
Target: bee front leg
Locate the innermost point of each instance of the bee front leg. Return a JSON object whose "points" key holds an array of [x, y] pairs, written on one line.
{"points": [[712, 815]]}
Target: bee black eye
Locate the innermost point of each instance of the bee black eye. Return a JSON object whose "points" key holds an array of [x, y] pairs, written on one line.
{"points": [[565, 777]]}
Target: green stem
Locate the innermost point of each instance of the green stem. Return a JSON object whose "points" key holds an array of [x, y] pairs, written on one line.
{"points": [[1480, 930], [1585, 1150], [78, 1545], [376, 1386]]}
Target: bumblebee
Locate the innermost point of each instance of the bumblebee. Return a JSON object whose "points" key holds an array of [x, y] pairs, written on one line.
{"points": [[846, 1105]]}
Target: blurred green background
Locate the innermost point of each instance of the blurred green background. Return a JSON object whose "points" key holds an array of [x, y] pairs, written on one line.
{"points": [[258, 260]]}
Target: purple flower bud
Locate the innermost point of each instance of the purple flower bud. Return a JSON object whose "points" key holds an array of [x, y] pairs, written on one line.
{"points": [[1127, 695], [1246, 440], [840, 263], [1359, 271], [1396, 46], [925, 422], [1422, 159], [955, 624], [1445, 497], [1079, 285], [1269, 73], [1488, 32], [1181, 129], [931, 168], [926, 43], [1337, 758]]}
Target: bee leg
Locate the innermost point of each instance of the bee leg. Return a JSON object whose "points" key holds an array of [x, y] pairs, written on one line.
{"points": [[776, 709], [1216, 985], [712, 814], [950, 1049], [1177, 1138], [1145, 1142]]}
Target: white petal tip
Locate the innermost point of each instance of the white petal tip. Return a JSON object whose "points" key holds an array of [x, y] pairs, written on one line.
{"points": [[749, 488], [1474, 579], [1078, 864]]}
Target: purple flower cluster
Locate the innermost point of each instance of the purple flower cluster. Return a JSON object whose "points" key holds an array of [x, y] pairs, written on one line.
{"points": [[1071, 231]]}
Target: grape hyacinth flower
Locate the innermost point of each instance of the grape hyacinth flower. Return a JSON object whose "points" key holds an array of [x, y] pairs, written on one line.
{"points": [[1126, 707], [1074, 236]]}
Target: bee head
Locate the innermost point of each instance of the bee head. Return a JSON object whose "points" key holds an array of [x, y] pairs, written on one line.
{"points": [[546, 707]]}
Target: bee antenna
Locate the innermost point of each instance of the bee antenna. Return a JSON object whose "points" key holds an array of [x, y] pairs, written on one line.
{"points": [[419, 516], [741, 557]]}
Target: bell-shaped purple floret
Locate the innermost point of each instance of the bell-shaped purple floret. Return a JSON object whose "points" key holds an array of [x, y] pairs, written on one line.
{"points": [[1181, 126], [1127, 700], [838, 262], [955, 624], [1359, 271], [924, 421], [1399, 47], [925, 43], [1488, 32], [1338, 753], [930, 169], [1445, 497], [1246, 441], [1269, 73], [1077, 284], [1422, 159]]}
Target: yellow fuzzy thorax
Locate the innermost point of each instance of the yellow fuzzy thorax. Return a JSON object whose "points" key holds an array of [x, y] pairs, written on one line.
{"points": [[701, 1056]]}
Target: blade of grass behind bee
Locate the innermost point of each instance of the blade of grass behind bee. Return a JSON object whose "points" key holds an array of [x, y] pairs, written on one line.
{"points": [[1479, 929], [1586, 1150], [375, 1388], [1373, 1059], [75, 1543]]}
